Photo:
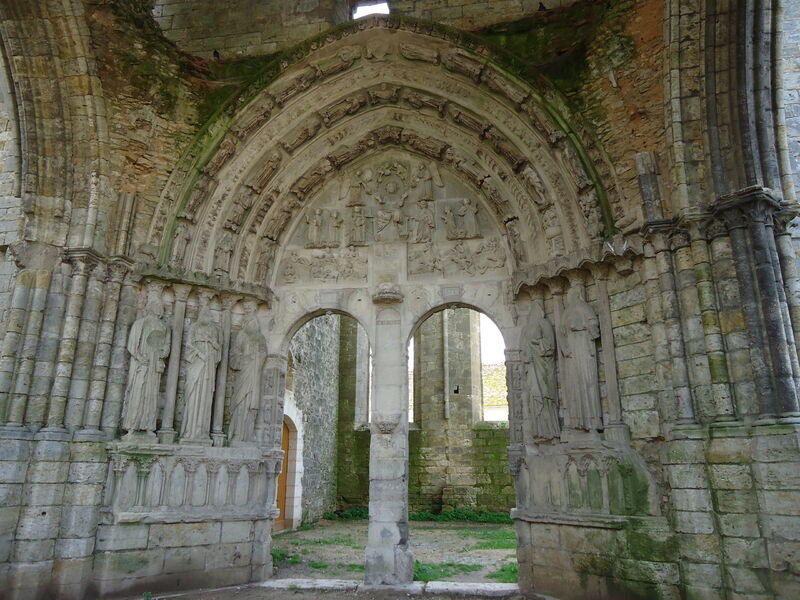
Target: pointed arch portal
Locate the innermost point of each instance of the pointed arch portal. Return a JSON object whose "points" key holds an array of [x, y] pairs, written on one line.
{"points": [[386, 172]]}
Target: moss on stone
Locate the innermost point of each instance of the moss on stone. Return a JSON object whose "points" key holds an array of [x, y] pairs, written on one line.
{"points": [[628, 490]]}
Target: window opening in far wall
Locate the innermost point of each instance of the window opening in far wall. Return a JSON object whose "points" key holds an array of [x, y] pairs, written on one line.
{"points": [[493, 371], [370, 8]]}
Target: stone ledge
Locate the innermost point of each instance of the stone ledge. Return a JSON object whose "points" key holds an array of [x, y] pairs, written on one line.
{"points": [[127, 517], [588, 520]]}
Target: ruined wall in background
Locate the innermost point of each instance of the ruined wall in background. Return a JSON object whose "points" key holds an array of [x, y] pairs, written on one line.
{"points": [[315, 351], [245, 27]]}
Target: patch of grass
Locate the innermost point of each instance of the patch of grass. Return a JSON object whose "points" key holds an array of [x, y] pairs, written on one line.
{"points": [[437, 571], [278, 555], [294, 560], [306, 525], [315, 564], [498, 539], [349, 514], [357, 567], [305, 551], [461, 514], [508, 573]]}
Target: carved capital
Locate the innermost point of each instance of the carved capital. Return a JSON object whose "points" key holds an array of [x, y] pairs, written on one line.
{"points": [[679, 238], [117, 272], [784, 218], [182, 291], [100, 272], [230, 300], [715, 228], [755, 204]]}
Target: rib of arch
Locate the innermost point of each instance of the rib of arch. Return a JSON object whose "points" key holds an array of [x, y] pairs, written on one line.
{"points": [[379, 93]]}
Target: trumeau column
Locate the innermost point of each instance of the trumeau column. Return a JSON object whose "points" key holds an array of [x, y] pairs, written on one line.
{"points": [[166, 434], [66, 348], [217, 435], [615, 429], [102, 356], [388, 558]]}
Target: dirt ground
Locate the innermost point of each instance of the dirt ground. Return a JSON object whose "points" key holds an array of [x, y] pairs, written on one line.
{"points": [[465, 552], [254, 593]]}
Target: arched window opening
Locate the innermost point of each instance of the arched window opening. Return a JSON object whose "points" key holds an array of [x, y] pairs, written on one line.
{"points": [[364, 9]]}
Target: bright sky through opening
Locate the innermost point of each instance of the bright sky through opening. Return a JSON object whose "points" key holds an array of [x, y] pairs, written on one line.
{"points": [[493, 348], [371, 9]]}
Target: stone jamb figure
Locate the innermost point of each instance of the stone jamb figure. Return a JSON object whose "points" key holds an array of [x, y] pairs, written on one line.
{"points": [[539, 356], [247, 359], [203, 352], [579, 382], [148, 345]]}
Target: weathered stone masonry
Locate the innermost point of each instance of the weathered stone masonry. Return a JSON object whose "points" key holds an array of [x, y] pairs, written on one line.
{"points": [[619, 200]]}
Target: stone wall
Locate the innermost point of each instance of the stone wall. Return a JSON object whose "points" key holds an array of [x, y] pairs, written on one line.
{"points": [[245, 27], [315, 354], [467, 14], [791, 84]]}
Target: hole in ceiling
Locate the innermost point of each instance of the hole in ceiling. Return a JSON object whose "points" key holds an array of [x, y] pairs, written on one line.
{"points": [[364, 9]]}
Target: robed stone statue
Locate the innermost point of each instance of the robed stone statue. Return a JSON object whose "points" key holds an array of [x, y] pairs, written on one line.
{"points": [[580, 386], [203, 352], [247, 359], [539, 355], [148, 345]]}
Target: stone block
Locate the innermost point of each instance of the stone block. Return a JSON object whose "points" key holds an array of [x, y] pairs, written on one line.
{"points": [[691, 500], [693, 522], [750, 552], [88, 472], [777, 475], [777, 448], [652, 572], [731, 477], [43, 494], [236, 531], [692, 476], [783, 556], [782, 527], [10, 494], [122, 537], [72, 572], [730, 450], [166, 535], [79, 521], [781, 502], [12, 471], [48, 472], [705, 574], [545, 536], [180, 560], [685, 452], [50, 451], [15, 450], [735, 501], [229, 555], [736, 525], [129, 563], [6, 542], [82, 494], [38, 523], [746, 580], [32, 550], [70, 548]]}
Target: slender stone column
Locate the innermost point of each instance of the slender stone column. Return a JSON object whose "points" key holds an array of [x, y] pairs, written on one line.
{"points": [[118, 371], [388, 557], [85, 349], [518, 425], [615, 429], [40, 283], [684, 409], [721, 406], [42, 381], [15, 326], [791, 278], [166, 434], [786, 395], [102, 356], [66, 348], [217, 435], [655, 318]]}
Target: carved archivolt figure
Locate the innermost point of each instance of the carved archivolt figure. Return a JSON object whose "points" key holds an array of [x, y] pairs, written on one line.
{"points": [[247, 358], [203, 352], [182, 236], [581, 388], [224, 251], [148, 344], [539, 354]]}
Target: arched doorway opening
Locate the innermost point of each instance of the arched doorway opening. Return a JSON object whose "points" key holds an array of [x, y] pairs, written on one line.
{"points": [[290, 481]]}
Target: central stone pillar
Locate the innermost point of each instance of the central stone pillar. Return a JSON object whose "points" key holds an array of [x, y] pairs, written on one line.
{"points": [[388, 559]]}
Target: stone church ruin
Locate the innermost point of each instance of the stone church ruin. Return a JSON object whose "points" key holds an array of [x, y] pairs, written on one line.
{"points": [[223, 225]]}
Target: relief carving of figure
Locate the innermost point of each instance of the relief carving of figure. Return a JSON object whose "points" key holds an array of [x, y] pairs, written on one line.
{"points": [[223, 253], [424, 222], [386, 225], [148, 345], [314, 230], [264, 260], [334, 227], [450, 224], [539, 355], [247, 359], [490, 256], [203, 352], [462, 258], [425, 260], [468, 212], [357, 235], [182, 236], [581, 388]]}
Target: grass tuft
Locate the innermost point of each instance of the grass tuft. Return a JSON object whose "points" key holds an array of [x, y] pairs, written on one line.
{"points": [[437, 571], [508, 573]]}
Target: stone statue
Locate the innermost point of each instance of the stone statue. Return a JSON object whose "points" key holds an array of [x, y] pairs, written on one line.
{"points": [[468, 211], [450, 224], [314, 230], [247, 359], [223, 253], [203, 352], [357, 235], [334, 227], [424, 223], [538, 351], [181, 241], [579, 383], [148, 345]]}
